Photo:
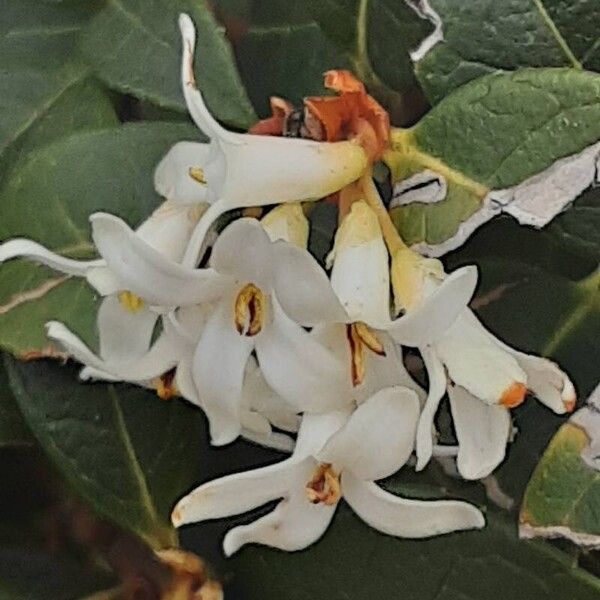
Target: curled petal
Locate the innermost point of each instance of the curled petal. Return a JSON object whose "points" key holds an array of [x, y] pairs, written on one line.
{"points": [[239, 493], [173, 177], [293, 525], [437, 388], [219, 365], [244, 252], [429, 321], [482, 432], [22, 248], [298, 368], [378, 438], [476, 361], [147, 273], [407, 518], [124, 335], [302, 287]]}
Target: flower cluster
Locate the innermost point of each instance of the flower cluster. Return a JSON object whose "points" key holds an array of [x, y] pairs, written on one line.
{"points": [[275, 348]]}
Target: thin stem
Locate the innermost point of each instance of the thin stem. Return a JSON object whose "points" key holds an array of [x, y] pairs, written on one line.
{"points": [[390, 234]]}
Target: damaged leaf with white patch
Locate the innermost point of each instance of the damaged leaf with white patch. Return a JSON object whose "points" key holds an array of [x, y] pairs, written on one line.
{"points": [[564, 492], [524, 143]]}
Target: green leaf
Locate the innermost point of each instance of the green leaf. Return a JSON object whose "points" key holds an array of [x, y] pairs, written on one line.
{"points": [[129, 455], [579, 227], [49, 198], [564, 491], [491, 134], [465, 566], [13, 431], [45, 92], [482, 36], [303, 54], [135, 47]]}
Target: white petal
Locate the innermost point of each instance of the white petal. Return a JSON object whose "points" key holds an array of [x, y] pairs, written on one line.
{"points": [[158, 360], [193, 97], [547, 381], [273, 440], [124, 335], [407, 518], [22, 248], [294, 525], [316, 430], [172, 178], [169, 228], [218, 369], [476, 361], [259, 396], [437, 388], [240, 492], [378, 438], [243, 251], [298, 368], [103, 280], [482, 432], [302, 287], [428, 322], [146, 272]]}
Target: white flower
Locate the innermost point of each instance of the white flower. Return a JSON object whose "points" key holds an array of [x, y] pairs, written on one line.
{"points": [[239, 170], [264, 292], [125, 321], [486, 376], [361, 279], [336, 455]]}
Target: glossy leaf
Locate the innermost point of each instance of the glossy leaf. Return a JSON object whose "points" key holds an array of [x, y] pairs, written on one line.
{"points": [[135, 47], [129, 455], [49, 198], [482, 36]]}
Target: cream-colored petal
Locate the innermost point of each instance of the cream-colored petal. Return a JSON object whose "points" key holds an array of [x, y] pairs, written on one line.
{"points": [[147, 273], [440, 309], [294, 525], [298, 368], [437, 389], [406, 518], [287, 222], [240, 492], [219, 365], [22, 248], [173, 176], [482, 432], [303, 288], [476, 361], [378, 438]]}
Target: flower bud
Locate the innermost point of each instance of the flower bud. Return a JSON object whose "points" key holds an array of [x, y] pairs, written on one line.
{"points": [[360, 275]]}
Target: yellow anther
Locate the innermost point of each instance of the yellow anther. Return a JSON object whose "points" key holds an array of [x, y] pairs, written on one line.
{"points": [[369, 338], [324, 486], [131, 301], [166, 387], [249, 310], [197, 174], [360, 335]]}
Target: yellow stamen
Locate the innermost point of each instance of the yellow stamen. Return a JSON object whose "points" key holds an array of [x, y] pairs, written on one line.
{"points": [[324, 486], [249, 310], [131, 301], [197, 174], [166, 387], [360, 335], [369, 338]]}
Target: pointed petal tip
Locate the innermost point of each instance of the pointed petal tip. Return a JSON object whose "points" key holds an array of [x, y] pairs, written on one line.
{"points": [[233, 541], [570, 405], [513, 395]]}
